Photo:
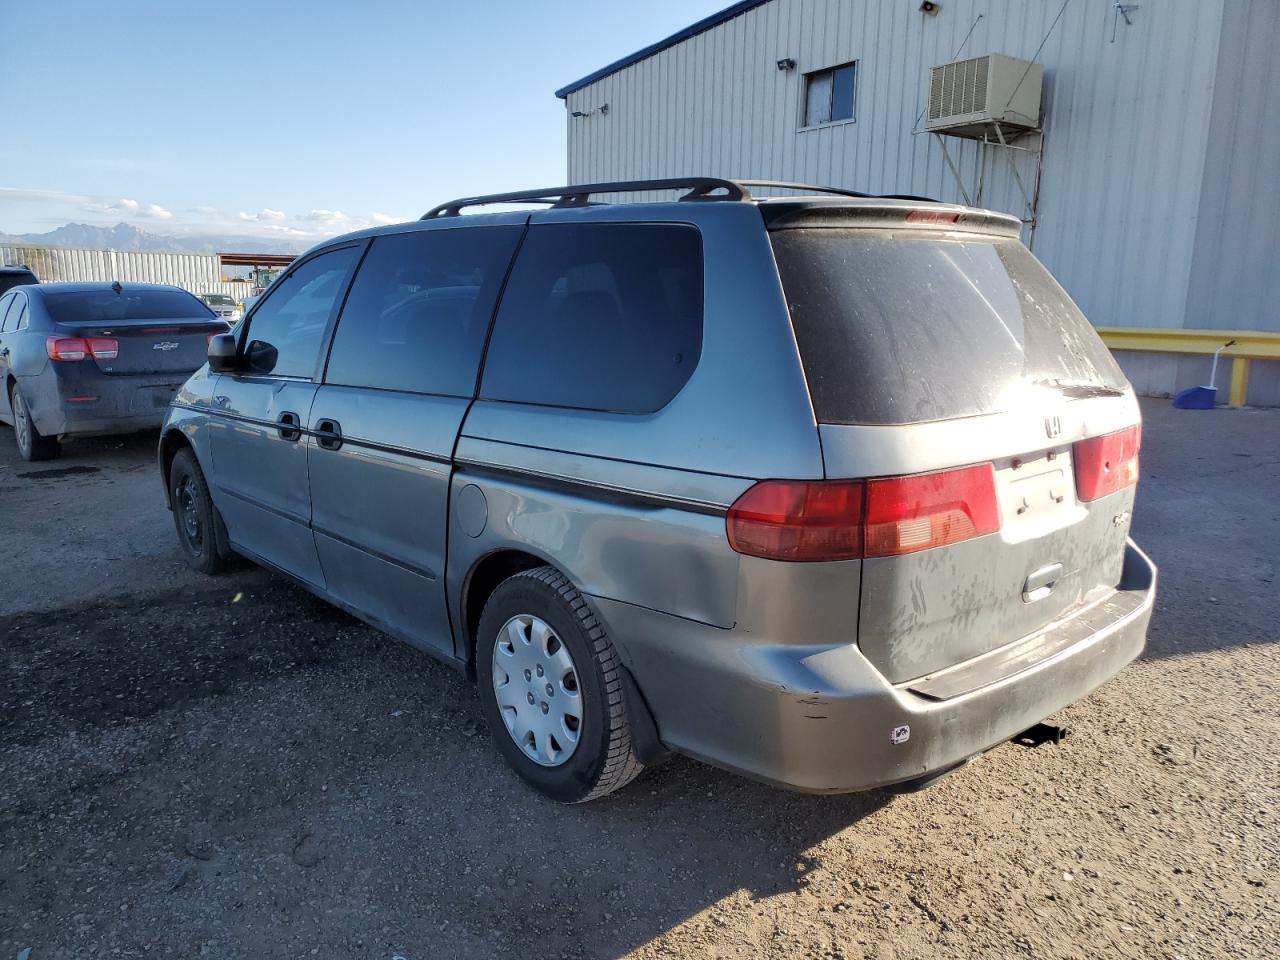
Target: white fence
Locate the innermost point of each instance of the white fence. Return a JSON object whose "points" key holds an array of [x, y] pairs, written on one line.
{"points": [[198, 273]]}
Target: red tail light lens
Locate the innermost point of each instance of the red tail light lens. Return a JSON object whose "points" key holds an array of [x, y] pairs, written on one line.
{"points": [[906, 514], [846, 519], [77, 348], [66, 348], [103, 348], [1106, 464], [798, 520]]}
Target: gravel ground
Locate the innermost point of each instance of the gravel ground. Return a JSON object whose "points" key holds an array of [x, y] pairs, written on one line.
{"points": [[231, 768]]}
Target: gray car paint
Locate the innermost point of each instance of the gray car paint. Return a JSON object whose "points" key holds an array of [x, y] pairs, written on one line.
{"points": [[793, 673]]}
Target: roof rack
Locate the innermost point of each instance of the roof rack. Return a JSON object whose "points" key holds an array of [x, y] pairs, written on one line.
{"points": [[579, 195], [699, 188]]}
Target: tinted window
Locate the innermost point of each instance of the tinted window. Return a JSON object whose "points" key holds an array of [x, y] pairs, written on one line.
{"points": [[600, 317], [131, 303], [5, 303], [17, 315], [286, 330], [901, 330], [419, 310], [10, 280]]}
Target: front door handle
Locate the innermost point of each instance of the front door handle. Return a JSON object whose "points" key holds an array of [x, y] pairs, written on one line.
{"points": [[290, 426], [328, 434]]}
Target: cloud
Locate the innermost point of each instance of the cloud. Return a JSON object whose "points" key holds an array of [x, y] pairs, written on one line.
{"points": [[265, 215], [125, 205], [157, 212], [382, 219], [328, 217], [19, 195], [203, 211]]}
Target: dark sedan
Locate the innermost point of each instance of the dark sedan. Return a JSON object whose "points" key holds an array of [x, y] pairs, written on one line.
{"points": [[88, 359]]}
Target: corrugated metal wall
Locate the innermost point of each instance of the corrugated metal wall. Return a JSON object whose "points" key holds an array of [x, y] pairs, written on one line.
{"points": [[198, 273], [1127, 125]]}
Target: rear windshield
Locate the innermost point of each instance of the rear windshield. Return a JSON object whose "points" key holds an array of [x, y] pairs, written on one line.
{"points": [[10, 280], [218, 299], [95, 306], [905, 329]]}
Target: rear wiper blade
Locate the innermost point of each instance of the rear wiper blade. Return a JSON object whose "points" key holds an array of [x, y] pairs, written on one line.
{"points": [[1079, 389]]}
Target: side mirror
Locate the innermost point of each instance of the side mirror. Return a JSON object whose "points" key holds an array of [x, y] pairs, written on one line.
{"points": [[223, 356]]}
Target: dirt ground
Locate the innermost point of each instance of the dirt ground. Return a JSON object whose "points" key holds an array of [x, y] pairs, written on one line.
{"points": [[231, 768]]}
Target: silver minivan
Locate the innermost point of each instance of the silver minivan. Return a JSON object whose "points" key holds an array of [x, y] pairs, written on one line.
{"points": [[830, 490]]}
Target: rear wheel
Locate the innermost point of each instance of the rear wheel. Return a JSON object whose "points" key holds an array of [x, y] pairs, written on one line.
{"points": [[551, 689], [32, 444], [194, 515]]}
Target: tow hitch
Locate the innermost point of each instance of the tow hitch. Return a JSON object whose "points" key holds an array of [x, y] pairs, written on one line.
{"points": [[1041, 733]]}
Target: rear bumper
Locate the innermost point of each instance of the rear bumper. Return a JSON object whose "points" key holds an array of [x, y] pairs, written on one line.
{"points": [[76, 403], [824, 720]]}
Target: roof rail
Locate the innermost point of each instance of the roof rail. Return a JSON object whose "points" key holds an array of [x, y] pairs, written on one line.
{"points": [[579, 195], [700, 188]]}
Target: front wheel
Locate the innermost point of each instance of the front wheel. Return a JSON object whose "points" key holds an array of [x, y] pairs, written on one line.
{"points": [[32, 444], [194, 515], [551, 689]]}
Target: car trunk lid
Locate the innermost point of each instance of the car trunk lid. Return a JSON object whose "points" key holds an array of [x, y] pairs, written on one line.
{"points": [[154, 329], [931, 348]]}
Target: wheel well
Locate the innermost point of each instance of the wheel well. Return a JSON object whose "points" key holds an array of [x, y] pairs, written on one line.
{"points": [[483, 580], [170, 444]]}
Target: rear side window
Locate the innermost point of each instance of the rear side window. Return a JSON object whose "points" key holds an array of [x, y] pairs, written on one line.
{"points": [[419, 310], [5, 303], [10, 280], [902, 329], [105, 305], [286, 330], [600, 316]]}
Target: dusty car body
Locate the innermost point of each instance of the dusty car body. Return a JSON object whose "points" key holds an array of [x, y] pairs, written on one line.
{"points": [[833, 491]]}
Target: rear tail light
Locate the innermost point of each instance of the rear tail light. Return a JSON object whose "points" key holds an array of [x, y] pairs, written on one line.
{"points": [[906, 514], [1106, 464], [77, 348], [846, 519], [104, 348], [66, 348]]}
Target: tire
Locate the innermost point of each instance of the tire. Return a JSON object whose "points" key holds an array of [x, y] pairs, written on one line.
{"points": [[602, 758], [195, 518], [32, 444]]}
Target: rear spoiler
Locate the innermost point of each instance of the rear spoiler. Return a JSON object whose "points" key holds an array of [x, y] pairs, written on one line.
{"points": [[885, 214]]}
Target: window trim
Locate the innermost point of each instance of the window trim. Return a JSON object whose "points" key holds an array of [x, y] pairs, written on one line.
{"points": [[326, 338], [805, 126]]}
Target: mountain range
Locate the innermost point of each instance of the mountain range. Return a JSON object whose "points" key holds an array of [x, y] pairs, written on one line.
{"points": [[125, 236]]}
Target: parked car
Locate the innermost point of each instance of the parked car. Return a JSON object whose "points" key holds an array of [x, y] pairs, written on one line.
{"points": [[833, 491], [86, 359], [11, 277], [223, 306]]}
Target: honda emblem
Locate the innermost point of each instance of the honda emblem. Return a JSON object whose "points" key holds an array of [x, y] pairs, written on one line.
{"points": [[1052, 426]]}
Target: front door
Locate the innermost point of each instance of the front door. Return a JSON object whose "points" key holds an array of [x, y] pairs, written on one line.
{"points": [[258, 446], [401, 374]]}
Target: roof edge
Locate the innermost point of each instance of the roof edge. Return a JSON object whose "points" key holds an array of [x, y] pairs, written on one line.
{"points": [[702, 26]]}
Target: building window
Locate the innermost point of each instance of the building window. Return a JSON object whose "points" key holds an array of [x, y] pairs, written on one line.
{"points": [[828, 94]]}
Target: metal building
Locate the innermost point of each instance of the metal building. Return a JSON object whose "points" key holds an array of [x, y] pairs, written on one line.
{"points": [[1149, 185]]}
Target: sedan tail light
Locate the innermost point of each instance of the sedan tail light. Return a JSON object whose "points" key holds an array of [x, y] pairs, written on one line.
{"points": [[809, 520], [66, 348], [1106, 464], [69, 349]]}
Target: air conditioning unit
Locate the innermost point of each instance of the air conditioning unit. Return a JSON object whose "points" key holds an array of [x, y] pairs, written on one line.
{"points": [[968, 97]]}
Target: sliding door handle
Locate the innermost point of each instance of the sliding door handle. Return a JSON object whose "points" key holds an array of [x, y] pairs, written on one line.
{"points": [[328, 434]]}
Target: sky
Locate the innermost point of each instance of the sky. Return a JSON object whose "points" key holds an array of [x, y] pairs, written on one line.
{"points": [[297, 119]]}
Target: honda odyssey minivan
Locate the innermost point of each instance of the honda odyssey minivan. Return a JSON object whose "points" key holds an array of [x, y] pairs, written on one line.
{"points": [[827, 489]]}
